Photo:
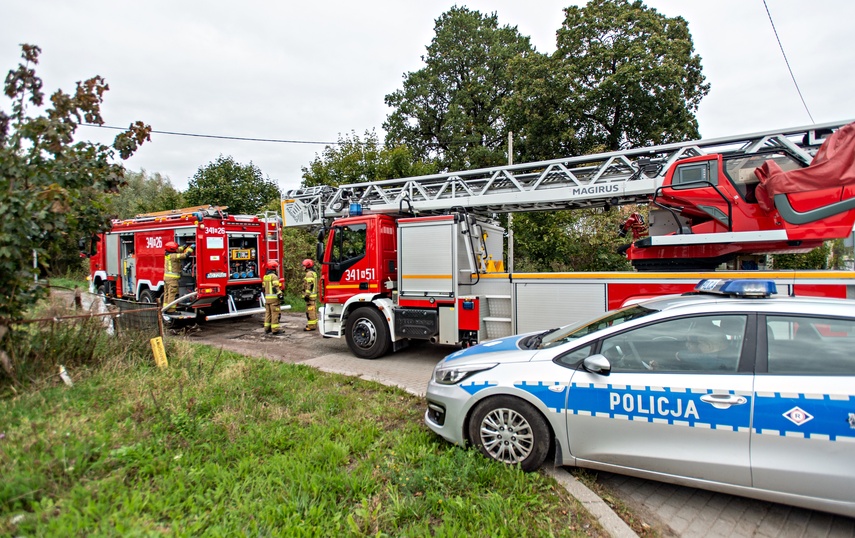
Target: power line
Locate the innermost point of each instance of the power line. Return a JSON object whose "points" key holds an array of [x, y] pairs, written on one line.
{"points": [[787, 62], [217, 136]]}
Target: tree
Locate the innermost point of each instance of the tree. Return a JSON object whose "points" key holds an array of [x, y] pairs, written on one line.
{"points": [[353, 160], [226, 183], [579, 240], [815, 259], [50, 186], [622, 75], [450, 111], [630, 73], [144, 193], [540, 112]]}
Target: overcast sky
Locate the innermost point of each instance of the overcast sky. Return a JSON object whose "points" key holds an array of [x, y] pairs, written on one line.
{"points": [[310, 71]]}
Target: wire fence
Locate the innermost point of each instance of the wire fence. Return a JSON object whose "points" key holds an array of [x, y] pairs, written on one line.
{"points": [[119, 316], [64, 336], [143, 317]]}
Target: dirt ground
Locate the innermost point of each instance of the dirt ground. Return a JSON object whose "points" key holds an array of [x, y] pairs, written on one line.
{"points": [[246, 336]]}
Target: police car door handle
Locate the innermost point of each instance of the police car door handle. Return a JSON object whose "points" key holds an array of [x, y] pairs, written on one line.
{"points": [[723, 401]]}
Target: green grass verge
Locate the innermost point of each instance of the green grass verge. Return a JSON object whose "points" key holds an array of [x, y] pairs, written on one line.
{"points": [[68, 283], [220, 444]]}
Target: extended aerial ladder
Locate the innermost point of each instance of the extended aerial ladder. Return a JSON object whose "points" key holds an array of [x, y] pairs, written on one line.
{"points": [[598, 180], [603, 180]]}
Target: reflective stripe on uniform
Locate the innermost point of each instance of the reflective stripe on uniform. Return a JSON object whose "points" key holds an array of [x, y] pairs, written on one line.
{"points": [[270, 283]]}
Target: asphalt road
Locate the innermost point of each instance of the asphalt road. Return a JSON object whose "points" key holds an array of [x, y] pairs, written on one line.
{"points": [[669, 510]]}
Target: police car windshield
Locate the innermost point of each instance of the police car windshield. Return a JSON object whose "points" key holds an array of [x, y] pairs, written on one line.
{"points": [[574, 331]]}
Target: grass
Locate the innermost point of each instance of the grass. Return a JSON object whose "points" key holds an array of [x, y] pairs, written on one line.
{"points": [[69, 283], [220, 444], [296, 301]]}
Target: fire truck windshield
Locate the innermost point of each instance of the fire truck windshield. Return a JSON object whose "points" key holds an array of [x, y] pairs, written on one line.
{"points": [[740, 170]]}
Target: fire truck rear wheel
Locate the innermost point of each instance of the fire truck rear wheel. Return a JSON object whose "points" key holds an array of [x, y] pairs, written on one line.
{"points": [[147, 296], [367, 333]]}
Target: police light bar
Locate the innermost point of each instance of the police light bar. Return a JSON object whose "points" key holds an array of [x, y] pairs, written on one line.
{"points": [[737, 287]]}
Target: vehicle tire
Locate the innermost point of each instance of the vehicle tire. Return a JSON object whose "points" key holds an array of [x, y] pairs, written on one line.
{"points": [[511, 431], [148, 296], [367, 334]]}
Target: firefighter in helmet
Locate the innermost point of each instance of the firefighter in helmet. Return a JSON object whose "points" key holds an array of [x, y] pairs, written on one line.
{"points": [[310, 295], [172, 271], [272, 298]]}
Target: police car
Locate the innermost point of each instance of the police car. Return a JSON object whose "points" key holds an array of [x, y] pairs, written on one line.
{"points": [[730, 388]]}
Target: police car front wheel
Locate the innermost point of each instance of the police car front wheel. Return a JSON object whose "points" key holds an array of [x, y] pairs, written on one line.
{"points": [[510, 431]]}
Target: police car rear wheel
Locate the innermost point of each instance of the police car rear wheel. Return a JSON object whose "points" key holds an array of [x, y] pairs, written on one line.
{"points": [[510, 431]]}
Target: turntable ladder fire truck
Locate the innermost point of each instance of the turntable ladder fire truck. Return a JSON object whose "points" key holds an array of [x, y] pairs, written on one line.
{"points": [[422, 258], [222, 278]]}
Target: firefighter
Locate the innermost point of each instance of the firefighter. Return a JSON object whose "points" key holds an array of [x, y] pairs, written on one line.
{"points": [[172, 271], [130, 266], [310, 295], [272, 298]]}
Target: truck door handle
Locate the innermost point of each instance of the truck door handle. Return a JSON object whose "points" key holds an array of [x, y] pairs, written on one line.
{"points": [[723, 401]]}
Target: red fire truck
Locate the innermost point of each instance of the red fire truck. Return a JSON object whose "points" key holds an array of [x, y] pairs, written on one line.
{"points": [[422, 258], [220, 279]]}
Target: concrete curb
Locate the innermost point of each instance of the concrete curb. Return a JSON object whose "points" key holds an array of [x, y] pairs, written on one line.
{"points": [[597, 507]]}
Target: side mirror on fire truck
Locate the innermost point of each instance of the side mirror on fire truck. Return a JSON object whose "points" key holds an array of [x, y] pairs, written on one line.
{"points": [[319, 247]]}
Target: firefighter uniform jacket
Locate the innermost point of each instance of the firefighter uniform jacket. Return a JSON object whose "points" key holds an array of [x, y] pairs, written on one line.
{"points": [[310, 285], [271, 286], [172, 264]]}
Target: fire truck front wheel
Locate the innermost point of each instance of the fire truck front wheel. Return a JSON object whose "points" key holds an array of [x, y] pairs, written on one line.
{"points": [[367, 333]]}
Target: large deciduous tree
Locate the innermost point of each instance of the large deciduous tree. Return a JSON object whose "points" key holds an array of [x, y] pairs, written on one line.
{"points": [[51, 187], [631, 73], [225, 182], [623, 75], [355, 160], [450, 110]]}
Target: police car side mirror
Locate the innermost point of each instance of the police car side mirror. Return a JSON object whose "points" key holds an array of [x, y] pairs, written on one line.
{"points": [[597, 364]]}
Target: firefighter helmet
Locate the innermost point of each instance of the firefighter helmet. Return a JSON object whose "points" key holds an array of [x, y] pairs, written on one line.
{"points": [[308, 264], [272, 265], [171, 247]]}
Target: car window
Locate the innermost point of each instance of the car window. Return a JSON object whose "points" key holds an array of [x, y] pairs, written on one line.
{"points": [[578, 330], [810, 345], [708, 344], [573, 358]]}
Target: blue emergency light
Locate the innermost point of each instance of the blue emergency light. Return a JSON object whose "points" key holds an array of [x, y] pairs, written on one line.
{"points": [[737, 287], [355, 209]]}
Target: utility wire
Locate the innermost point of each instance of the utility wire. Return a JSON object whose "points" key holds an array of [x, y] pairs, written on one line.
{"points": [[787, 62], [217, 136]]}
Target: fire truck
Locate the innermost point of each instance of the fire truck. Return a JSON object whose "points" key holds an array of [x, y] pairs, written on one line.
{"points": [[222, 277], [422, 258]]}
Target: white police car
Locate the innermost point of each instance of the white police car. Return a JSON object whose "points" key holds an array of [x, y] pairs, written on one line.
{"points": [[730, 389]]}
